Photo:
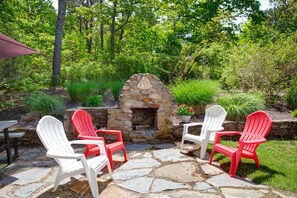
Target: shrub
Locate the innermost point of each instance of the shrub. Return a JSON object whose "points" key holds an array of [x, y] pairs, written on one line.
{"points": [[44, 104], [291, 96], [238, 106], [116, 87], [294, 113], [79, 91], [93, 101], [194, 92]]}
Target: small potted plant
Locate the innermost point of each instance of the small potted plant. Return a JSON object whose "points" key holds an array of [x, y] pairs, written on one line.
{"points": [[185, 112]]}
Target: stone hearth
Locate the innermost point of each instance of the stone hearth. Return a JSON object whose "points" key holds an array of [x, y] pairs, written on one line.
{"points": [[145, 110]]}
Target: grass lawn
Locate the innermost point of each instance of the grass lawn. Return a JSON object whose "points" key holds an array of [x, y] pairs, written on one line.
{"points": [[278, 160]]}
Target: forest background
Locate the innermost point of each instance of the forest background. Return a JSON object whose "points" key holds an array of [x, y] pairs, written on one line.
{"points": [[174, 40]]}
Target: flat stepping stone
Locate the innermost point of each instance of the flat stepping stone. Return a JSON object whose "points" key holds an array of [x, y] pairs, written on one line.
{"points": [[162, 185], [124, 175], [210, 169], [27, 190], [26, 177], [183, 194], [140, 163], [180, 172], [171, 155], [115, 192], [140, 185], [225, 180], [202, 186], [241, 193], [138, 147]]}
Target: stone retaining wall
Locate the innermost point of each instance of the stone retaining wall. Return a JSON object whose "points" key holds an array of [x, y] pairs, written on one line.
{"points": [[103, 117]]}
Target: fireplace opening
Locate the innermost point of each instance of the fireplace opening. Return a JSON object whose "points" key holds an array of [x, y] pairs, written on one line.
{"points": [[144, 119]]}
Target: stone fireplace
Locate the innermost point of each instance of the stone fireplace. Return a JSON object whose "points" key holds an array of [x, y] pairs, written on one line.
{"points": [[145, 110]]}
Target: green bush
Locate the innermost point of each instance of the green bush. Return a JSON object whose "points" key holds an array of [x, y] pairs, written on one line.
{"points": [[116, 87], [44, 104], [79, 91], [291, 96], [294, 113], [93, 101], [238, 106], [194, 92]]}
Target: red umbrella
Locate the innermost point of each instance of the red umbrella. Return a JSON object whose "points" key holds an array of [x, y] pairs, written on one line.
{"points": [[12, 48]]}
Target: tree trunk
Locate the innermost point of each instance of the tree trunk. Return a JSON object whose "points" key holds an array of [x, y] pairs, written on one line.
{"points": [[101, 29], [113, 30], [58, 43]]}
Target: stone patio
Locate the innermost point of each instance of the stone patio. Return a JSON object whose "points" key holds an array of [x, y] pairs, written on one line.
{"points": [[152, 171]]}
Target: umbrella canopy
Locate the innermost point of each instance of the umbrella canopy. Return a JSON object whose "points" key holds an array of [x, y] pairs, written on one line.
{"points": [[12, 48]]}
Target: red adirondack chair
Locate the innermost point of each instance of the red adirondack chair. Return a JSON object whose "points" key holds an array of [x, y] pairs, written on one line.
{"points": [[83, 125], [256, 128]]}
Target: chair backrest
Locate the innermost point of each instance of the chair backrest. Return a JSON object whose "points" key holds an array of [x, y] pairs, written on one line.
{"points": [[214, 118], [52, 135], [257, 126], [82, 122]]}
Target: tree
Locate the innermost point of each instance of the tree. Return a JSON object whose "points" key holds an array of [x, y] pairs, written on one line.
{"points": [[58, 42]]}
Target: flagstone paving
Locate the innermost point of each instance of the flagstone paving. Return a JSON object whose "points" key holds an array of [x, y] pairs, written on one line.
{"points": [[152, 171]]}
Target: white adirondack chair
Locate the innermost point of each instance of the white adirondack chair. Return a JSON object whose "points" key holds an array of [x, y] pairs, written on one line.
{"points": [[213, 121], [52, 135]]}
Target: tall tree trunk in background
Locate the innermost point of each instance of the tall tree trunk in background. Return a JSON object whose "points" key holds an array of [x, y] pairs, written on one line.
{"points": [[113, 29], [101, 29], [58, 43]]}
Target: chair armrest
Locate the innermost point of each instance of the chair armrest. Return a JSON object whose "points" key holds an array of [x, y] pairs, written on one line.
{"points": [[224, 133], [84, 137], [186, 126], [258, 141], [54, 154], [114, 132], [216, 129], [100, 143]]}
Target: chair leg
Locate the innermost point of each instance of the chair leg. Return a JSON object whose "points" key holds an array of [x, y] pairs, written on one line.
{"points": [[93, 183], [125, 154], [181, 144], [211, 155], [57, 180], [109, 156], [109, 170], [202, 151], [233, 165], [256, 159]]}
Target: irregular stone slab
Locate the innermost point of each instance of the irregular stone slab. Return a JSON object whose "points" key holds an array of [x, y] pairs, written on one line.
{"points": [[33, 153], [27, 190], [26, 177], [116, 192], [139, 155], [131, 174], [226, 180], [171, 155], [140, 163], [210, 169], [138, 147], [140, 185], [162, 184], [44, 163], [180, 172], [164, 146], [241, 193], [202, 186], [183, 194]]}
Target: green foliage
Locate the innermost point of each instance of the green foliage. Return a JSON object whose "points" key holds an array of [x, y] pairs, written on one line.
{"points": [[267, 69], [44, 104], [126, 66], [116, 87], [93, 101], [79, 91], [291, 96], [194, 92], [294, 113], [185, 110], [238, 106]]}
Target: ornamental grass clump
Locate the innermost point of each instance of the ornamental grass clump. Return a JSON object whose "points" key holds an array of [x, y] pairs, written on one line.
{"points": [[238, 106], [185, 110]]}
